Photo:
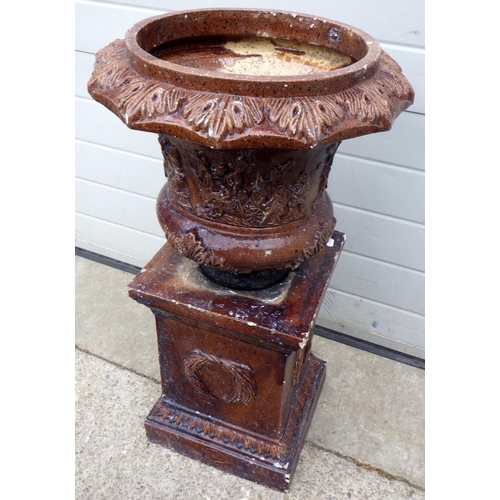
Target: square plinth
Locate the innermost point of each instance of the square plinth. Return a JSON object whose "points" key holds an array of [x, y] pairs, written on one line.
{"points": [[239, 383]]}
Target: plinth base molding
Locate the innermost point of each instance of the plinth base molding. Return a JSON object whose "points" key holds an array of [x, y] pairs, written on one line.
{"points": [[235, 450]]}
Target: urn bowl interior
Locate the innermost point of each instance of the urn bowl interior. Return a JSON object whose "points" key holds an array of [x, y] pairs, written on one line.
{"points": [[252, 55], [252, 52]]}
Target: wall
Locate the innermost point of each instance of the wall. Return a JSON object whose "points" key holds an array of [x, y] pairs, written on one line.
{"points": [[376, 183]]}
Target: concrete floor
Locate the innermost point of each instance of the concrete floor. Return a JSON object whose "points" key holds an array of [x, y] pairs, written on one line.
{"points": [[366, 439]]}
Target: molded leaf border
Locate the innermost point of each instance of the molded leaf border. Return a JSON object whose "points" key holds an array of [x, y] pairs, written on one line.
{"points": [[152, 105]]}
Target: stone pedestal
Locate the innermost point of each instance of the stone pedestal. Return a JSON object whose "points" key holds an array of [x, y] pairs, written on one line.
{"points": [[239, 383]]}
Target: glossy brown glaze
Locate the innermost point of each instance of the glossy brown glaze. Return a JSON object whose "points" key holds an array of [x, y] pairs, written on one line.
{"points": [[239, 384], [145, 37], [246, 210], [225, 110], [250, 107]]}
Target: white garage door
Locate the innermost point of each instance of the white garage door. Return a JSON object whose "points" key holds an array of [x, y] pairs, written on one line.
{"points": [[376, 183]]}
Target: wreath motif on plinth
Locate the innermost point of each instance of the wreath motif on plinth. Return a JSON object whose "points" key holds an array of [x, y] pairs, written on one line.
{"points": [[243, 387]]}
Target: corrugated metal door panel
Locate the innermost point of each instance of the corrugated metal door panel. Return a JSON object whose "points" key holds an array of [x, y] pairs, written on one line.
{"points": [[95, 124], [396, 21], [386, 283], [378, 187], [117, 206], [99, 23], [382, 238], [374, 322], [120, 169], [115, 241], [403, 145]]}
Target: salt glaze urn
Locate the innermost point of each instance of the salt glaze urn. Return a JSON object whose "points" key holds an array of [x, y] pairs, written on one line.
{"points": [[250, 107]]}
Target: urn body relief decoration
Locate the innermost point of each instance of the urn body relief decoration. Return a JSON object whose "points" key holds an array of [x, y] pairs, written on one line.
{"points": [[250, 107]]}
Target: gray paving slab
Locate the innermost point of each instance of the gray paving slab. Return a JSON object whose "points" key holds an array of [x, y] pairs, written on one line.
{"points": [[109, 323], [114, 460], [371, 409]]}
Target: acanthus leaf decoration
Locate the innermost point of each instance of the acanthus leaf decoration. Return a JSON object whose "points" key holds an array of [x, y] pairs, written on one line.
{"points": [[193, 247], [391, 78], [305, 117], [109, 70], [358, 105], [320, 238], [172, 163], [147, 103], [135, 97], [222, 115], [238, 194], [162, 101]]}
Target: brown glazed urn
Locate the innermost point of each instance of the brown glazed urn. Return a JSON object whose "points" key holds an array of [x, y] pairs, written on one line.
{"points": [[250, 107]]}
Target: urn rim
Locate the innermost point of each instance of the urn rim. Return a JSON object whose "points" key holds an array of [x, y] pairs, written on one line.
{"points": [[144, 36]]}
